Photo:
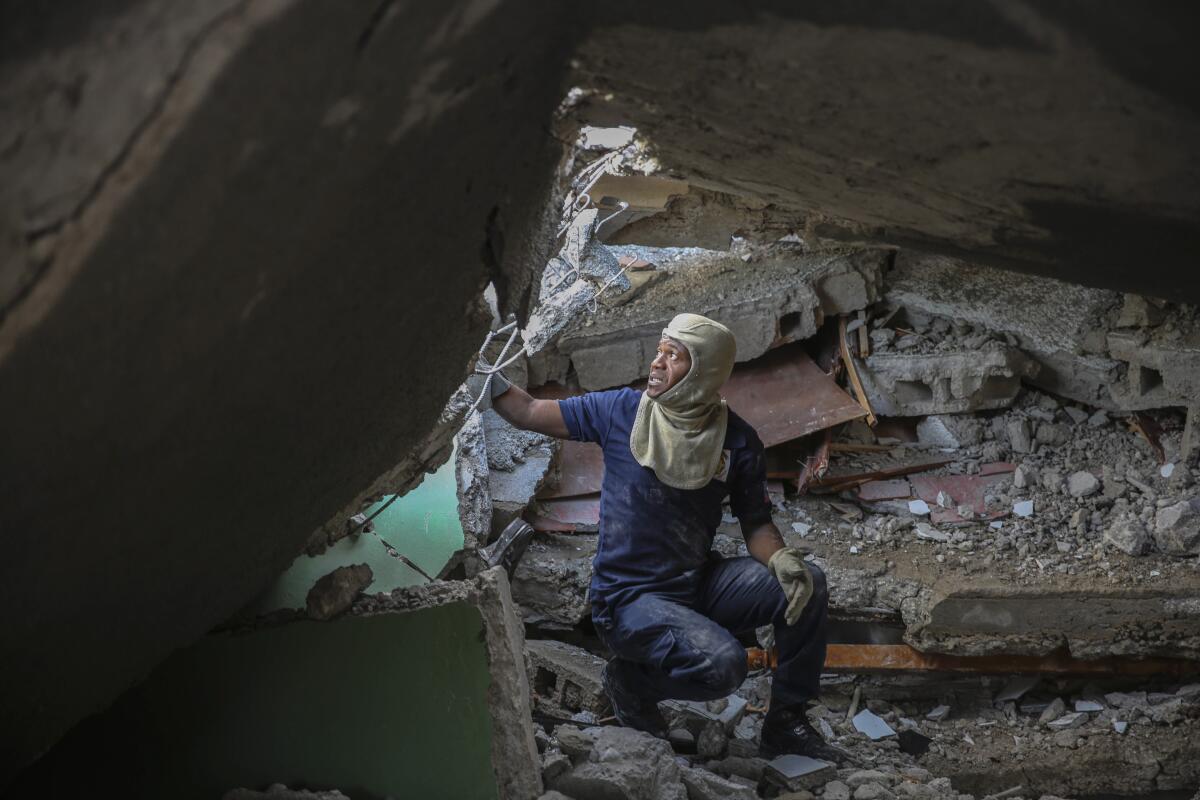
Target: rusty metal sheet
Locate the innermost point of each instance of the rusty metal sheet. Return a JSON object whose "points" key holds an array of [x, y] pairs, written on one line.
{"points": [[566, 514], [857, 658], [784, 396], [580, 470], [964, 490]]}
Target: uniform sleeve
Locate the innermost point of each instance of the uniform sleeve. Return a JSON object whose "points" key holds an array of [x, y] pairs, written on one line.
{"points": [[748, 498], [589, 416]]}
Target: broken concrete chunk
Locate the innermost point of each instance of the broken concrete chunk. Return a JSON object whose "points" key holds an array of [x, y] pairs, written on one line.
{"points": [[1082, 484], [1053, 711], [565, 679], [698, 714], [1126, 533], [795, 772], [930, 533], [1138, 312], [335, 592], [1023, 508], [1177, 528], [836, 790], [704, 785], [1020, 438], [575, 743], [872, 725], [1078, 415], [938, 713], [1017, 688], [909, 384], [624, 763], [872, 791], [949, 431], [1068, 721], [712, 740]]}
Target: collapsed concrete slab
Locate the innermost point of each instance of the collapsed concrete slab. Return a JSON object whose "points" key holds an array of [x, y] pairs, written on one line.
{"points": [[779, 294], [1093, 345]]}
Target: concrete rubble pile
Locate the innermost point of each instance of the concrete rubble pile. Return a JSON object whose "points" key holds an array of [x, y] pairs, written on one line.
{"points": [[917, 736], [1029, 490]]}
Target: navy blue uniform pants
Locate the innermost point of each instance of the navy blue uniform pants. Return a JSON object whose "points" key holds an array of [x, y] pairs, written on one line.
{"points": [[676, 641]]}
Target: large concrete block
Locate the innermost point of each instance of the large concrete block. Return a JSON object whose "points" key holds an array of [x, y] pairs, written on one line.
{"points": [[944, 383], [607, 365], [565, 678]]}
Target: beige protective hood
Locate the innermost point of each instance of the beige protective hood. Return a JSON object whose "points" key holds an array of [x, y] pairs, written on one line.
{"points": [[680, 434]]}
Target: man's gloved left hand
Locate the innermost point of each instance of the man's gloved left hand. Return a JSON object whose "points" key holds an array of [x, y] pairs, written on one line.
{"points": [[788, 567]]}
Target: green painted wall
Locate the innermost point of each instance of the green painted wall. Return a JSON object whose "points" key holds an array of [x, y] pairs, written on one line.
{"points": [[391, 705], [423, 525]]}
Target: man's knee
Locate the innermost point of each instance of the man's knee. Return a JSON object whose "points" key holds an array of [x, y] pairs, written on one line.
{"points": [[729, 669]]}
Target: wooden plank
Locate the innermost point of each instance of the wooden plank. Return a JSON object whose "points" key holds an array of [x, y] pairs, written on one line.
{"points": [[852, 371]]}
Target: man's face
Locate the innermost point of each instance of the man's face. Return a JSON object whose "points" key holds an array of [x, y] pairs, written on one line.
{"points": [[669, 366]]}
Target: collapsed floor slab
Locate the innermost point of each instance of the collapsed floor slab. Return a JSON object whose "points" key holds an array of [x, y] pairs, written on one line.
{"points": [[779, 294]]}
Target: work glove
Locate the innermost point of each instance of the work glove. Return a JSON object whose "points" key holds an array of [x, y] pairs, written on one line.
{"points": [[788, 567], [475, 381]]}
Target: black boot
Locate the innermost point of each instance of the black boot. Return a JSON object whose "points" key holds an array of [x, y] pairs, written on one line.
{"points": [[787, 730], [631, 710]]}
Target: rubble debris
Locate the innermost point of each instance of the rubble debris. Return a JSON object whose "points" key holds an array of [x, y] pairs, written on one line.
{"points": [[704, 785], [1177, 528], [550, 584], [623, 763], [334, 593], [794, 772]]}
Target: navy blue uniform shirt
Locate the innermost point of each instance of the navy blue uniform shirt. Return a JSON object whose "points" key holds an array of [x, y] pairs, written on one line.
{"points": [[651, 534]]}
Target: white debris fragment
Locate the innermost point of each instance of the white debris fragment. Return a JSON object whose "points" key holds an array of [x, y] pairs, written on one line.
{"points": [[918, 507], [801, 528], [944, 500], [1088, 705], [930, 533], [1167, 470], [591, 138], [1120, 726], [872, 725], [1023, 508], [938, 713], [997, 525]]}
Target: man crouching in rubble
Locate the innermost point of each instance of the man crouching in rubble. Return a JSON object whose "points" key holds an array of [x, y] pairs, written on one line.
{"points": [[662, 601]]}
